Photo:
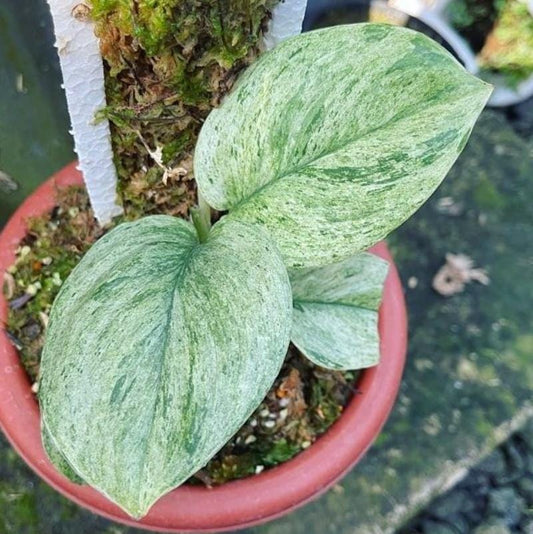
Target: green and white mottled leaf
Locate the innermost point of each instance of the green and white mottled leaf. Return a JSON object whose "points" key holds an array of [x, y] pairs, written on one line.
{"points": [[335, 312], [55, 456], [337, 136], [158, 350]]}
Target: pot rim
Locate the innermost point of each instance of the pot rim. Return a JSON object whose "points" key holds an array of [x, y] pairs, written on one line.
{"points": [[236, 504]]}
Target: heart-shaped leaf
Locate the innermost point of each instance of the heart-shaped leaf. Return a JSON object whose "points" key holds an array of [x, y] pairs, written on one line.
{"points": [[335, 317], [158, 350], [55, 456], [337, 136]]}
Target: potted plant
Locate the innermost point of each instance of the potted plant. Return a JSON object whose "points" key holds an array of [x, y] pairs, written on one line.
{"points": [[501, 34], [168, 333]]}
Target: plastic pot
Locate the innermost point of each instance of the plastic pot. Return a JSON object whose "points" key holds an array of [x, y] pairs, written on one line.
{"points": [[236, 504]]}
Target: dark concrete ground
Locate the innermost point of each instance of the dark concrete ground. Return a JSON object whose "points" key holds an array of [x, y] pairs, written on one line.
{"points": [[468, 382], [496, 497]]}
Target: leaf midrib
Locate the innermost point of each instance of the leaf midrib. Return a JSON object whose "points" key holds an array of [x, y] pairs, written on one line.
{"points": [[337, 148], [178, 278]]}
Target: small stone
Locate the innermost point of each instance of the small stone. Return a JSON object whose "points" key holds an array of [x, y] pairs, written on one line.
{"points": [[432, 425], [338, 489], [527, 527], [24, 251], [264, 413], [506, 504], [32, 290], [259, 469], [529, 462], [31, 330], [494, 464], [306, 444], [47, 261], [436, 527], [451, 504], [250, 439], [253, 422], [516, 457], [492, 528], [283, 403], [525, 488], [412, 282], [283, 414], [516, 465], [44, 318], [269, 424], [20, 302]]}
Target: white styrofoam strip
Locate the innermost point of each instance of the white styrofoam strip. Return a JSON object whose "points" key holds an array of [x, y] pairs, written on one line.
{"points": [[287, 19], [83, 81]]}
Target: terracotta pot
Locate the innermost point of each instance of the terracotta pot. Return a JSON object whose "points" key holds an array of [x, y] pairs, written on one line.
{"points": [[237, 504]]}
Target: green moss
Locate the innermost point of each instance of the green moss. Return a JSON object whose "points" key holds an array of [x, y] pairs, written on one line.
{"points": [[21, 513], [168, 63], [486, 195]]}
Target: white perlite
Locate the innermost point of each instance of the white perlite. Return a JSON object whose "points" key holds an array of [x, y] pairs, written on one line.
{"points": [[287, 18], [83, 81]]}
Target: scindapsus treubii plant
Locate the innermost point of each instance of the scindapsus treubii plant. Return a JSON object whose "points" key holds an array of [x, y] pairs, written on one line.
{"points": [[169, 333]]}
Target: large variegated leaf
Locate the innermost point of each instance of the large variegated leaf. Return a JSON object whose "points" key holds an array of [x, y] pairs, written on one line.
{"points": [[57, 458], [335, 316], [335, 137], [158, 350]]}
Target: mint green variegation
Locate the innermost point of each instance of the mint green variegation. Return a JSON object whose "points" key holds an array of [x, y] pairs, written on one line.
{"points": [[57, 458], [337, 136], [158, 350], [335, 315]]}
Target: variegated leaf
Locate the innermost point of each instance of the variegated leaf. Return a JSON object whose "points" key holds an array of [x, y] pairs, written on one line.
{"points": [[337, 136], [158, 350], [335, 315], [55, 456]]}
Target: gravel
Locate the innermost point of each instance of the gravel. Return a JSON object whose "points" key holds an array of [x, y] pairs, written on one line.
{"points": [[496, 497]]}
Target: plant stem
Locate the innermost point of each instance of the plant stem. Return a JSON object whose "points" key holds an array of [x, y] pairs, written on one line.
{"points": [[201, 218]]}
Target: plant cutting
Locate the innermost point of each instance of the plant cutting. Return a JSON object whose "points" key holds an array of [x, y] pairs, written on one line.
{"points": [[169, 332]]}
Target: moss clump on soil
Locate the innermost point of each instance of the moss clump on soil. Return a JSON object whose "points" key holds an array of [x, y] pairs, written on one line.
{"points": [[304, 401], [168, 63]]}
